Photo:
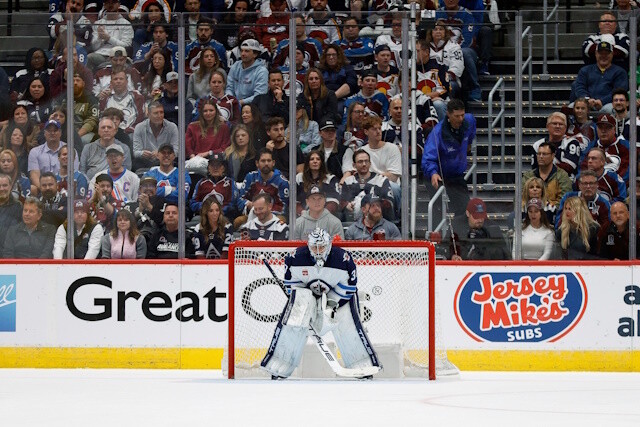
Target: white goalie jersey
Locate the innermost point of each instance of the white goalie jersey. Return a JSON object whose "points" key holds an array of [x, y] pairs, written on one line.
{"points": [[338, 277]]}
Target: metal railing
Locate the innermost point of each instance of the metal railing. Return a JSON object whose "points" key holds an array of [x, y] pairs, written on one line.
{"points": [[546, 19], [529, 63], [491, 123]]}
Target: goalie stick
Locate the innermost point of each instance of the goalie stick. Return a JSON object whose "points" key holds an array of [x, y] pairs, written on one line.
{"points": [[324, 349]]}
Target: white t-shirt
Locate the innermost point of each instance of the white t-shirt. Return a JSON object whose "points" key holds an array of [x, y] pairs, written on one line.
{"points": [[385, 159], [537, 243]]}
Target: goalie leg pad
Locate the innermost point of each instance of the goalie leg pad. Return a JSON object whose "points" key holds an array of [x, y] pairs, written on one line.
{"points": [[351, 338], [290, 335]]}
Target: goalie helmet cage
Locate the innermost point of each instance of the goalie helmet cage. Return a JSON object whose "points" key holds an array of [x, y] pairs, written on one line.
{"points": [[396, 289]]}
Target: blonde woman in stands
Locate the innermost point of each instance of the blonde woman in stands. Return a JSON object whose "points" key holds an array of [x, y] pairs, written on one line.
{"points": [[240, 155], [537, 234], [578, 233], [534, 188]]}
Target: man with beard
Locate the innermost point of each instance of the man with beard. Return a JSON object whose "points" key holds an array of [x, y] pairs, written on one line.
{"points": [[597, 204], [10, 209], [54, 203], [311, 48], [164, 242], [103, 205], [556, 181], [279, 146], [218, 184], [81, 24], [31, 238], [148, 209], [58, 79], [192, 52], [160, 43], [264, 180], [620, 102], [265, 225], [118, 59], [85, 109], [322, 25], [372, 226]]}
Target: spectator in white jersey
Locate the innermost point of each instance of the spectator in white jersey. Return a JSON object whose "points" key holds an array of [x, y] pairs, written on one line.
{"points": [[125, 182], [265, 225]]}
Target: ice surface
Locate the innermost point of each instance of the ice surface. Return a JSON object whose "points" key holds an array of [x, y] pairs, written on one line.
{"points": [[83, 397]]}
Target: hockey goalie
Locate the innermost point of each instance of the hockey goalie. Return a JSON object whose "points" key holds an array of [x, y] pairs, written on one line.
{"points": [[321, 282]]}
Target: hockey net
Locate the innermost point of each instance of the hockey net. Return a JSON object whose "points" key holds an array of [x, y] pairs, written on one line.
{"points": [[397, 305]]}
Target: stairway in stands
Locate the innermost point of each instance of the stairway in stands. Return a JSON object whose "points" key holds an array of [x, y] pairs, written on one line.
{"points": [[549, 94], [21, 31]]}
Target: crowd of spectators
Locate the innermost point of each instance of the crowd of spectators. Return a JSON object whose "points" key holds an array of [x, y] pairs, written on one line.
{"points": [[348, 57]]}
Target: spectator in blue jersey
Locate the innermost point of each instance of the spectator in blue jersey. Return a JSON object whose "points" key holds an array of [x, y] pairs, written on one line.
{"points": [[80, 181], [146, 16], [193, 50], [444, 160], [217, 184], [596, 82], [358, 50], [160, 43], [167, 175], [375, 102], [339, 76], [150, 134], [248, 77], [21, 186], [81, 24], [610, 184], [597, 203], [311, 48], [264, 180], [465, 30]]}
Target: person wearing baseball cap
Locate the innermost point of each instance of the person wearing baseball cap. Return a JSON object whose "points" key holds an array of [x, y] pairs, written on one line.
{"points": [[44, 157], [597, 81], [248, 77], [613, 32], [615, 147], [167, 174], [316, 215], [88, 234], [475, 237], [372, 225]]}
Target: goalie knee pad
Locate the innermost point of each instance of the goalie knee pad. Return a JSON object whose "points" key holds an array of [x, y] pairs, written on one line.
{"points": [[290, 335], [351, 338]]}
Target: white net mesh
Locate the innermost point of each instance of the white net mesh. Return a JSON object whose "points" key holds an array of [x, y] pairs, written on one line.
{"points": [[393, 284]]}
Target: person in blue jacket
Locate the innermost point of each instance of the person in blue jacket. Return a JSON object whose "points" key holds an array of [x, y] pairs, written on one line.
{"points": [[444, 160]]}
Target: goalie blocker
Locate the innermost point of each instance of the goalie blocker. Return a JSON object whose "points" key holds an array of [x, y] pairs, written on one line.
{"points": [[322, 284]]}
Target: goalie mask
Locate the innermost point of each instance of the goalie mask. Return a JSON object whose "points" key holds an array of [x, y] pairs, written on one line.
{"points": [[319, 243]]}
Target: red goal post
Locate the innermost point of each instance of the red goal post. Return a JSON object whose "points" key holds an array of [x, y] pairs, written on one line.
{"points": [[396, 280]]}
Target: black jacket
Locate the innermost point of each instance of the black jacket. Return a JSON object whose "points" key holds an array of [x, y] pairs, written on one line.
{"points": [[269, 107]]}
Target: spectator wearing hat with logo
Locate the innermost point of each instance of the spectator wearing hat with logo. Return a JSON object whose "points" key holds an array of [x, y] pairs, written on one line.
{"points": [[372, 226], [169, 100], [150, 134], [475, 237], [316, 215], [102, 77], [109, 31], [608, 32], [167, 174], [375, 102], [44, 158], [610, 184], [615, 147], [94, 155], [537, 234], [30, 238], [596, 82], [218, 184], [87, 232], [248, 77], [125, 182]]}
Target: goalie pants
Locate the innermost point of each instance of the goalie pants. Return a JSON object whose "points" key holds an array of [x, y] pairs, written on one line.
{"points": [[290, 335]]}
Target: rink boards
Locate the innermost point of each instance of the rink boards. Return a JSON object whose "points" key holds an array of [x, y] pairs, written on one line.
{"points": [[493, 316]]}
